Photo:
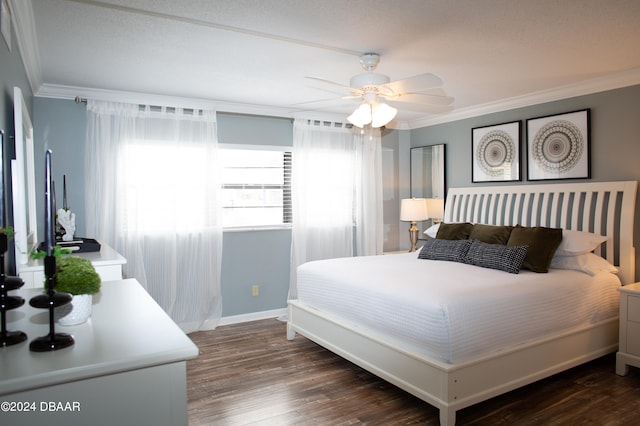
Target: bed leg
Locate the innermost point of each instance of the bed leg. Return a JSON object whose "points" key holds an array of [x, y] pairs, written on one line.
{"points": [[291, 333], [447, 417]]}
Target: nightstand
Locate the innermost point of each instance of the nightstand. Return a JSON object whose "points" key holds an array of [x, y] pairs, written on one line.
{"points": [[629, 343], [107, 262]]}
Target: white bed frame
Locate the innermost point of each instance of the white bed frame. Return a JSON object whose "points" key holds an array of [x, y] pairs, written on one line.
{"points": [[606, 208]]}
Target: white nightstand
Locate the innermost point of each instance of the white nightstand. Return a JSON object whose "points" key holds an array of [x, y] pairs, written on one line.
{"points": [[107, 261], [629, 343]]}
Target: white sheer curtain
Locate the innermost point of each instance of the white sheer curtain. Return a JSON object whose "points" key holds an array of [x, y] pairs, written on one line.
{"points": [[152, 193], [369, 193], [437, 171], [336, 193]]}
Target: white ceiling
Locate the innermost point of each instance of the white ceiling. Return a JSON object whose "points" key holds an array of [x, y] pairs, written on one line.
{"points": [[252, 54]]}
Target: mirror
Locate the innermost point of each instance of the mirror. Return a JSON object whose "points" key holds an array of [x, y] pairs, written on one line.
{"points": [[427, 170], [23, 178]]}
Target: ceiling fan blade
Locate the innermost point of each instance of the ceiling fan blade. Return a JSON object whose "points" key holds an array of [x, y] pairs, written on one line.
{"points": [[426, 108], [421, 98], [416, 83], [333, 83]]}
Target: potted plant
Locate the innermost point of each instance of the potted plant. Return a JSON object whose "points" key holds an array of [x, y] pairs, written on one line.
{"points": [[78, 277], [5, 235]]}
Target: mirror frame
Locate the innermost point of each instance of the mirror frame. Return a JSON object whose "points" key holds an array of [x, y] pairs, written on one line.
{"points": [[23, 183], [414, 192]]}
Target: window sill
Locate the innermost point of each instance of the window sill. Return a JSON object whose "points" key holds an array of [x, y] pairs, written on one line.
{"points": [[256, 228]]}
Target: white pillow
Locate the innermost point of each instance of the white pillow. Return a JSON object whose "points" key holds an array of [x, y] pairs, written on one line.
{"points": [[588, 263], [575, 243], [432, 230]]}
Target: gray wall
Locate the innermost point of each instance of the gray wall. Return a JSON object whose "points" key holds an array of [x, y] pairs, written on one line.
{"points": [[12, 73], [60, 125], [615, 138]]}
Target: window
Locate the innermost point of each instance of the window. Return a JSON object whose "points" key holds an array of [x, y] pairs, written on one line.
{"points": [[256, 187], [157, 199]]}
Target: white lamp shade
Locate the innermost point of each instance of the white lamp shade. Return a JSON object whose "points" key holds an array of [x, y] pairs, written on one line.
{"points": [[361, 116], [413, 210], [378, 114], [435, 208], [382, 114]]}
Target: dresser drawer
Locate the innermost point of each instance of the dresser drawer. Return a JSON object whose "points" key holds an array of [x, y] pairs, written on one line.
{"points": [[633, 308], [633, 338]]}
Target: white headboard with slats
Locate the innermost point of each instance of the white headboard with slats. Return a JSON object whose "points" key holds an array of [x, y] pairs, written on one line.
{"points": [[605, 208]]}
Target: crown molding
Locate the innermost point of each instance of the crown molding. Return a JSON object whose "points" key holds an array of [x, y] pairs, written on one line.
{"points": [[57, 91], [609, 82], [25, 28]]}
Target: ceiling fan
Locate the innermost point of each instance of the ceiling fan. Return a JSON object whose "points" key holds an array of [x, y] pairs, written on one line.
{"points": [[422, 93]]}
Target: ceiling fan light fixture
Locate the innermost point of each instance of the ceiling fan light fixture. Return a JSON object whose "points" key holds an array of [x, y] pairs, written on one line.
{"points": [[361, 116], [376, 113], [382, 114]]}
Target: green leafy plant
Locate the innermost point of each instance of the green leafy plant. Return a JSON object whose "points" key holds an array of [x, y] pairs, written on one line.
{"points": [[75, 275], [8, 231], [5, 235], [57, 252]]}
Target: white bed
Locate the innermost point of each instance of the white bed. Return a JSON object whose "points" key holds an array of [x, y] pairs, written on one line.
{"points": [[447, 317], [449, 367]]}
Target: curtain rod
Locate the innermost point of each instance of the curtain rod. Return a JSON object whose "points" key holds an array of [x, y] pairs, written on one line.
{"points": [[80, 100]]}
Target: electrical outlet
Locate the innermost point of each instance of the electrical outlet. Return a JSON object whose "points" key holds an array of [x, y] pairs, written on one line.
{"points": [[255, 290]]}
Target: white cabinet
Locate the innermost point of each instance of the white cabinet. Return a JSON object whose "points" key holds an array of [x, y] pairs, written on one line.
{"points": [[107, 261], [127, 365], [629, 344]]}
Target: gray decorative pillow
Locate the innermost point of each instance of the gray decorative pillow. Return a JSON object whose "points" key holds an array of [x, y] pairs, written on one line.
{"points": [[449, 250], [496, 256]]}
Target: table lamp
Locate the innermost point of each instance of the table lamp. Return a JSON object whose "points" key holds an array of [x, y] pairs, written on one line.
{"points": [[435, 209], [413, 210]]}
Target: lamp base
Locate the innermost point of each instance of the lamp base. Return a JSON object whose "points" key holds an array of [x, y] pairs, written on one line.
{"points": [[413, 236]]}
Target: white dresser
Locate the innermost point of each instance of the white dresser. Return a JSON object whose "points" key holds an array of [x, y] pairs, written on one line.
{"points": [[126, 367], [107, 261]]}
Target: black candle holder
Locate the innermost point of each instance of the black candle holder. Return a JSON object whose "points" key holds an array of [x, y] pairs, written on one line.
{"points": [[7, 303], [50, 300]]}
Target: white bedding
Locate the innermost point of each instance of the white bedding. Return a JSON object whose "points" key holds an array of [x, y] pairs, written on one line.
{"points": [[454, 312]]}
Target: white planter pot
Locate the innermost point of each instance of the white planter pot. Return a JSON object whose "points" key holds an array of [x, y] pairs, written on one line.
{"points": [[76, 312]]}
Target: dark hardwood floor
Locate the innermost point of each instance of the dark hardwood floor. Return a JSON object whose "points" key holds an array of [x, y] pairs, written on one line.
{"points": [[250, 374]]}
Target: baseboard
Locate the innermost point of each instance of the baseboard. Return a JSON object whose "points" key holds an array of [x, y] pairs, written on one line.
{"points": [[253, 316]]}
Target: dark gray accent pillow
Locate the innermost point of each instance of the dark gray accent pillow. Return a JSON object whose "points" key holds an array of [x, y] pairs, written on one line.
{"points": [[542, 243], [454, 231], [449, 250], [496, 256], [492, 234]]}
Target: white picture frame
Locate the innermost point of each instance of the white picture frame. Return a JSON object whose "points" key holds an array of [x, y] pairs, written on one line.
{"points": [[23, 183]]}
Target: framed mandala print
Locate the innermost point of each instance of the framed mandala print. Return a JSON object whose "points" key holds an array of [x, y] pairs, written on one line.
{"points": [[496, 152], [558, 146]]}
